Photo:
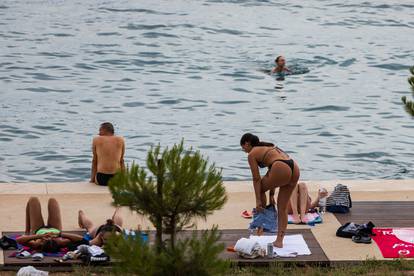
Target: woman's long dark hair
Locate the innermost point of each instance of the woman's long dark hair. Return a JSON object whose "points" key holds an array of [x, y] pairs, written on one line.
{"points": [[254, 141]]}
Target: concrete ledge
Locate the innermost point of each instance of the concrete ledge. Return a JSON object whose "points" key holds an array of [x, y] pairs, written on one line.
{"points": [[363, 186]]}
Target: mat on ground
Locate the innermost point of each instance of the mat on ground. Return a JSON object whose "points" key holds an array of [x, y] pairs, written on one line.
{"points": [[395, 242]]}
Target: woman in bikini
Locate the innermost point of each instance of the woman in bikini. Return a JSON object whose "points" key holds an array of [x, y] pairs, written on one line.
{"points": [[48, 237], [283, 173], [301, 202], [100, 234]]}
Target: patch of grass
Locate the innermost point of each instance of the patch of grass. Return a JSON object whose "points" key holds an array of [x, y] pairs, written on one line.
{"points": [[369, 267]]}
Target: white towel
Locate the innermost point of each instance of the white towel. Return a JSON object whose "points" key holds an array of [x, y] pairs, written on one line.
{"points": [[293, 245]]}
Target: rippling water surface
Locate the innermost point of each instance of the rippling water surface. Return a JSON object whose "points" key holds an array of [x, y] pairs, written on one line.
{"points": [[163, 70]]}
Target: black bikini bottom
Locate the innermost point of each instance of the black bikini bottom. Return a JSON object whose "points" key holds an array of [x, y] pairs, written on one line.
{"points": [[288, 162]]}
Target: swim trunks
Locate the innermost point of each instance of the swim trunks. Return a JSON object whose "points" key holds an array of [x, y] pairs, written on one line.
{"points": [[103, 178]]}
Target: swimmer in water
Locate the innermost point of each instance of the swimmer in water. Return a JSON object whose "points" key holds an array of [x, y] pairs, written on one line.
{"points": [[280, 69]]}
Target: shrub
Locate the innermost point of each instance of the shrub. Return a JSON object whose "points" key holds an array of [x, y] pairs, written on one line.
{"points": [[177, 187]]}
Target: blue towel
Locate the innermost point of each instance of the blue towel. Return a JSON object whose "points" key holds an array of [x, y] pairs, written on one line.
{"points": [[266, 219]]}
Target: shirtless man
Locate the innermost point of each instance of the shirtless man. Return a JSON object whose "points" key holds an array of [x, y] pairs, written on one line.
{"points": [[108, 155]]}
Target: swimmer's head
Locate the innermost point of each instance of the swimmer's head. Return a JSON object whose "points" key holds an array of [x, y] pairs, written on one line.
{"points": [[106, 129], [280, 61]]}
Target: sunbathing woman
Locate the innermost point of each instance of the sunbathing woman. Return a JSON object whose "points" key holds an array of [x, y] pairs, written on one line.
{"points": [[282, 173], [300, 203], [101, 233], [43, 237]]}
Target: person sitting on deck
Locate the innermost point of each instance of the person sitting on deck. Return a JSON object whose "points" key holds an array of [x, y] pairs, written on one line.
{"points": [[280, 69], [100, 234], [108, 155], [49, 237], [300, 203]]}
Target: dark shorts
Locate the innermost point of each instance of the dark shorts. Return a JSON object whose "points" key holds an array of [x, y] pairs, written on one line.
{"points": [[103, 178]]}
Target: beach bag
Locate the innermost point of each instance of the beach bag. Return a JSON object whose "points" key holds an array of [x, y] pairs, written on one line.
{"points": [[339, 201]]}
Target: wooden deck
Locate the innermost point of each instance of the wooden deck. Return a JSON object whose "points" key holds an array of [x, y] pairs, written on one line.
{"points": [[381, 213], [230, 237]]}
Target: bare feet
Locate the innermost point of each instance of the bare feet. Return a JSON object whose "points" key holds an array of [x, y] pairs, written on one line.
{"points": [[278, 243], [296, 219], [279, 240], [304, 219]]}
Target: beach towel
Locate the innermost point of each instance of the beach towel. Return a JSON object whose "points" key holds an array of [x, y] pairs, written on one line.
{"points": [[266, 219], [311, 217], [395, 242], [293, 245]]}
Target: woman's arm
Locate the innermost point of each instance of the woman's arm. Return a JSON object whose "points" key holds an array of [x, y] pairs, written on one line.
{"points": [[24, 239], [256, 179], [96, 241], [71, 237]]}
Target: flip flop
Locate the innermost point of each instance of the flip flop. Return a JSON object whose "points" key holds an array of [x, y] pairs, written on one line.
{"points": [[247, 215], [37, 257], [361, 239], [23, 255]]}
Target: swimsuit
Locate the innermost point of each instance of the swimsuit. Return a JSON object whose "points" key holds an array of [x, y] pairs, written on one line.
{"points": [[288, 162], [46, 230], [99, 230], [103, 178]]}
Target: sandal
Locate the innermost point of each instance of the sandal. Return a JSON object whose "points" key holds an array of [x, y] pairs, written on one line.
{"points": [[361, 239], [37, 257], [246, 214], [23, 255]]}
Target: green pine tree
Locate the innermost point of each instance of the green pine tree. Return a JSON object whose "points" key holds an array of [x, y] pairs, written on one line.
{"points": [[409, 105], [178, 186]]}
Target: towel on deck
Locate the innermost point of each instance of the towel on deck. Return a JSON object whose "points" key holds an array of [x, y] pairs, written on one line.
{"points": [[311, 217], [293, 245]]}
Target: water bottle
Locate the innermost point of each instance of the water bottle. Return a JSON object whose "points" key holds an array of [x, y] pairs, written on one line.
{"points": [[322, 201]]}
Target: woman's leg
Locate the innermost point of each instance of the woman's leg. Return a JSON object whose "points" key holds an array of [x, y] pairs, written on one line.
{"points": [[34, 218], [303, 200], [282, 201], [117, 218], [293, 206], [55, 219], [86, 223], [281, 176]]}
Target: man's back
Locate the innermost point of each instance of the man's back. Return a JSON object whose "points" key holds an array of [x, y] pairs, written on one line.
{"points": [[109, 152]]}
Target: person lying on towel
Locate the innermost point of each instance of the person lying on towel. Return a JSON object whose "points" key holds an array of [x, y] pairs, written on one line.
{"points": [[48, 237], [99, 235], [300, 203]]}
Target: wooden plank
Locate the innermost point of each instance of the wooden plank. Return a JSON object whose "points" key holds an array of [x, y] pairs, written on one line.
{"points": [[381, 213]]}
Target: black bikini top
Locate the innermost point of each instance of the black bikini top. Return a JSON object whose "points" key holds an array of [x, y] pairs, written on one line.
{"points": [[261, 164]]}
